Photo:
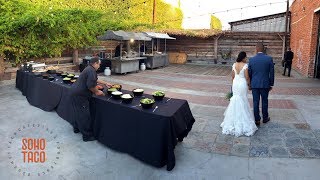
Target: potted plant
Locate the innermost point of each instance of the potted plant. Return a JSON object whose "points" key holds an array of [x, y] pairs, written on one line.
{"points": [[225, 56]]}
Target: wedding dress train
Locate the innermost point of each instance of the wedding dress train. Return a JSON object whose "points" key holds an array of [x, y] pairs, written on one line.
{"points": [[238, 118]]}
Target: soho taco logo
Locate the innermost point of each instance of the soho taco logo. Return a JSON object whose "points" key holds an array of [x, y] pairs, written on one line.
{"points": [[33, 150]]}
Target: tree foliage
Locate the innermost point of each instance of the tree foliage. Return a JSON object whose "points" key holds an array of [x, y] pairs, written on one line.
{"points": [[166, 16], [44, 28], [215, 23]]}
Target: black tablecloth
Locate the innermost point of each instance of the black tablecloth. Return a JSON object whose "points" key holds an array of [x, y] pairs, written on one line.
{"points": [[149, 136], [40, 92]]}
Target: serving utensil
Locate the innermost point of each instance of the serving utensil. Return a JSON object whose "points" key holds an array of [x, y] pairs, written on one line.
{"points": [[136, 105], [155, 109], [168, 100]]}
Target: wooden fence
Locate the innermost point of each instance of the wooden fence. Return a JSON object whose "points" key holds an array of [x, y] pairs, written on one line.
{"points": [[217, 47]]}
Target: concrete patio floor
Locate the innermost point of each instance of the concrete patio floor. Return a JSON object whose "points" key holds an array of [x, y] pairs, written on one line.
{"points": [[286, 148]]}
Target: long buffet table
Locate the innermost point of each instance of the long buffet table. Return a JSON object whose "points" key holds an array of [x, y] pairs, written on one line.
{"points": [[147, 135]]}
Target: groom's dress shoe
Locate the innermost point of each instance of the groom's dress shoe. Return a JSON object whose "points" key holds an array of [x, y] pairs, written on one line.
{"points": [[257, 123], [266, 120]]}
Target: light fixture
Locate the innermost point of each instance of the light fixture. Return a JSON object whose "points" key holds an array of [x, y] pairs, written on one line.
{"points": [[131, 40]]}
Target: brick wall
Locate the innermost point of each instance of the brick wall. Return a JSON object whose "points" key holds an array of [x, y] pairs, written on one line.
{"points": [[304, 35]]}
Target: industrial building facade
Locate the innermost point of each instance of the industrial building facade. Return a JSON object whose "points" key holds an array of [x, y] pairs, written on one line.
{"points": [[270, 23]]}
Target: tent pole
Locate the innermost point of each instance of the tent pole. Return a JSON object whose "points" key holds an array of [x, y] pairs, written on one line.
{"points": [[158, 45], [139, 48], [165, 45], [152, 46], [120, 49]]}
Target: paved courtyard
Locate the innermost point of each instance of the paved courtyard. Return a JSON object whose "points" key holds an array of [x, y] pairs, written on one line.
{"points": [[288, 147]]}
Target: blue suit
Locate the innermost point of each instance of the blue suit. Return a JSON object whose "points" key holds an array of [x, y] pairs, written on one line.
{"points": [[261, 73]]}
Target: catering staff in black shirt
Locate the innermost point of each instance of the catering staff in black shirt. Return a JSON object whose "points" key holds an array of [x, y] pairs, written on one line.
{"points": [[82, 91]]}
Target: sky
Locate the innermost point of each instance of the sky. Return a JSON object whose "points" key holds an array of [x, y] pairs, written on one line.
{"points": [[197, 12]]}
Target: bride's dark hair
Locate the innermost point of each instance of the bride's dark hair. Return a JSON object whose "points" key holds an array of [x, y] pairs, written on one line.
{"points": [[241, 56]]}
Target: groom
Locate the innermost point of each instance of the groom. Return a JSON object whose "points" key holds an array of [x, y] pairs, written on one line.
{"points": [[261, 73]]}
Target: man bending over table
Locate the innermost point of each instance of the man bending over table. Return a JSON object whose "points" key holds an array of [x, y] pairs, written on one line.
{"points": [[82, 91]]}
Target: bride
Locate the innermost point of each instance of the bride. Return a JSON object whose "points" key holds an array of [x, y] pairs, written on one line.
{"points": [[238, 118]]}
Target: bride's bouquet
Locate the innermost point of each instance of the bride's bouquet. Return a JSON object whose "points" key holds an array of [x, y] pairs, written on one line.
{"points": [[229, 94]]}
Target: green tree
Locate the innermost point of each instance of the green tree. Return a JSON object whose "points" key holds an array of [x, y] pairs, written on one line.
{"points": [[44, 28], [37, 31], [140, 14], [215, 23]]}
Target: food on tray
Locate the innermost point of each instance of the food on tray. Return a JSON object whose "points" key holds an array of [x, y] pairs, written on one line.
{"points": [[116, 93], [66, 80], [146, 101], [64, 75], [112, 89], [51, 78], [158, 93], [73, 80], [71, 75], [126, 96], [138, 90], [117, 86]]}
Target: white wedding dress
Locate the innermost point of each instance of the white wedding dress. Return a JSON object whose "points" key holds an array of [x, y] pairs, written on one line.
{"points": [[238, 118]]}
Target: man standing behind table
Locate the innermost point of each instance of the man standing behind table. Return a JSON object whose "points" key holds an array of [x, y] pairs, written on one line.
{"points": [[288, 56], [82, 91]]}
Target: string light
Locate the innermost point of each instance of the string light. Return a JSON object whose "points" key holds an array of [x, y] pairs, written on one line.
{"points": [[211, 13], [228, 10]]}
